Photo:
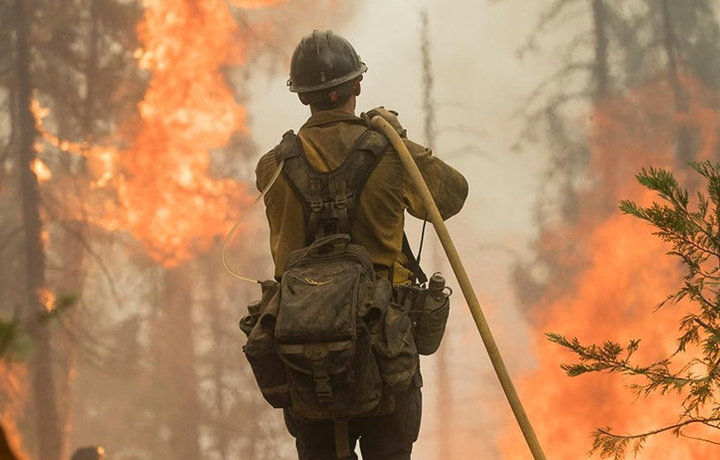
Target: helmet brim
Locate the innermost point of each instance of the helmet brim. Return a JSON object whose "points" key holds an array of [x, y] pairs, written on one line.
{"points": [[328, 84]]}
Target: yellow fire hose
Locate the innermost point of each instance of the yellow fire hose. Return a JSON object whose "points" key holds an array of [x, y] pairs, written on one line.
{"points": [[381, 124]]}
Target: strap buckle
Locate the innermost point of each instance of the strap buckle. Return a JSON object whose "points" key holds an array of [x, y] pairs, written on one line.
{"points": [[323, 390]]}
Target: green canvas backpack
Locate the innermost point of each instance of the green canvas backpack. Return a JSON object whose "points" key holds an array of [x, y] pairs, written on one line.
{"points": [[327, 342]]}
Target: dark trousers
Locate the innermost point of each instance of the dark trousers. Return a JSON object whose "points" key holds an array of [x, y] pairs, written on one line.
{"points": [[382, 437]]}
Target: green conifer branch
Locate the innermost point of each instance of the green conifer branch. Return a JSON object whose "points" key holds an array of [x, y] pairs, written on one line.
{"points": [[694, 237]]}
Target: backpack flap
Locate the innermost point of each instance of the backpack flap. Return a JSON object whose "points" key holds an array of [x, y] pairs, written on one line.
{"points": [[318, 307], [316, 326], [356, 392]]}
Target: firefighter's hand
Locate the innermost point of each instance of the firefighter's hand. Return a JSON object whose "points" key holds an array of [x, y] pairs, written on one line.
{"points": [[389, 115]]}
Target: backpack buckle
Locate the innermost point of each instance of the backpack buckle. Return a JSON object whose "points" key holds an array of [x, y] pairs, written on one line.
{"points": [[341, 202], [323, 390], [316, 204]]}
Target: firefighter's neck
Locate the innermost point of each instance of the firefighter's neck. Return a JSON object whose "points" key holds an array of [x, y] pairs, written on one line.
{"points": [[348, 107]]}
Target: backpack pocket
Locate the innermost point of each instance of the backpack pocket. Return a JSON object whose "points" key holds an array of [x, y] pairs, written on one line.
{"points": [[318, 303], [267, 367], [358, 391], [316, 324], [395, 349], [392, 333], [330, 365]]}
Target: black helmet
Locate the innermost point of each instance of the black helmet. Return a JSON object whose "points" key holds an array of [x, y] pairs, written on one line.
{"points": [[323, 60], [89, 453]]}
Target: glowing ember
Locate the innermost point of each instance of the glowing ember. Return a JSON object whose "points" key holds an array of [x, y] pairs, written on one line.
{"points": [[41, 170], [626, 273], [47, 298]]}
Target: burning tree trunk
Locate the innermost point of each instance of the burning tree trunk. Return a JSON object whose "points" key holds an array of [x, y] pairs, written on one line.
{"points": [[177, 366], [216, 353], [48, 425]]}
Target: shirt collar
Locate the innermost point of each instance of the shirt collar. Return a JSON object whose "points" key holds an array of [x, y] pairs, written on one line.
{"points": [[325, 117]]}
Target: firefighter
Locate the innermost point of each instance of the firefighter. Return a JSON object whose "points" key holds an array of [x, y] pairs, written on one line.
{"points": [[326, 74]]}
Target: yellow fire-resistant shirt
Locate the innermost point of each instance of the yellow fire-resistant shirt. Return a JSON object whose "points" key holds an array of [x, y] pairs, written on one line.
{"points": [[328, 138]]}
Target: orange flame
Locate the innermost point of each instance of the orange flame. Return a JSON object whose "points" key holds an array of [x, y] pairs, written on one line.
{"points": [[625, 274], [171, 202], [166, 196], [250, 4], [101, 160]]}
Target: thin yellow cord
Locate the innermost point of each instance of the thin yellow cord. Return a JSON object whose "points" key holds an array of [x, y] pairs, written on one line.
{"points": [[240, 221]]}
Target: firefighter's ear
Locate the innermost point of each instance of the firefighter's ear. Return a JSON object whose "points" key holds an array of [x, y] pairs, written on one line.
{"points": [[356, 88]]}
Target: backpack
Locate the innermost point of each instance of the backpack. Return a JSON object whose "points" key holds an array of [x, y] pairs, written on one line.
{"points": [[327, 342]]}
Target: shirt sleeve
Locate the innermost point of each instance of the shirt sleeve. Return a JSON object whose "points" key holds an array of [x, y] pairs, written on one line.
{"points": [[265, 169], [447, 186]]}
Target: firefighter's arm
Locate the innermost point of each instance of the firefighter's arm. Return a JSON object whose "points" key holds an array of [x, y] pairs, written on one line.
{"points": [[447, 186], [265, 169]]}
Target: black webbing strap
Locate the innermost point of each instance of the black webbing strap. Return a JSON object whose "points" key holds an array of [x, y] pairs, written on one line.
{"points": [[342, 439], [329, 198], [418, 273], [319, 194]]}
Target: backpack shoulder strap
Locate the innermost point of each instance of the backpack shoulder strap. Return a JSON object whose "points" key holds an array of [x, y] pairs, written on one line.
{"points": [[346, 182], [296, 170], [329, 198], [368, 151], [313, 188]]}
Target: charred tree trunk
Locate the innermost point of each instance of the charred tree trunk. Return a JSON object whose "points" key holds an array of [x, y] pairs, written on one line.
{"points": [[69, 284], [601, 70], [685, 148], [428, 102], [444, 401], [91, 70], [43, 383], [218, 321], [74, 228], [177, 363], [601, 94], [670, 45]]}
